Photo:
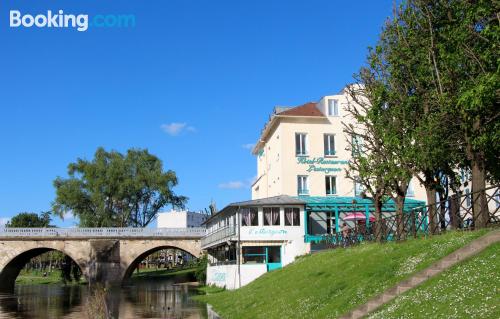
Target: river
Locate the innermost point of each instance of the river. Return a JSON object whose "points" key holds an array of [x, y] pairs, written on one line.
{"points": [[155, 298]]}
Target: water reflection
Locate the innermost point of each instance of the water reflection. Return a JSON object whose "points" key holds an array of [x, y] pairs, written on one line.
{"points": [[141, 299]]}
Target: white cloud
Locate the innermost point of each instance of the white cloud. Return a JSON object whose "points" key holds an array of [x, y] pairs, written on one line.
{"points": [[4, 220], [175, 128], [248, 146], [233, 185]]}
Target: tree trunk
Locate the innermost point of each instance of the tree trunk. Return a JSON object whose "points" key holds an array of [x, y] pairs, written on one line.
{"points": [[430, 191], [479, 202], [455, 218], [400, 202], [378, 218]]}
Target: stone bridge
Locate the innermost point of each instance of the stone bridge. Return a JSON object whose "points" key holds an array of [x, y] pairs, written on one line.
{"points": [[105, 255]]}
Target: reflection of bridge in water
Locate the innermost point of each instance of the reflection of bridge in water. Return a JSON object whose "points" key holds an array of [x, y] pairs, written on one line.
{"points": [[105, 255]]}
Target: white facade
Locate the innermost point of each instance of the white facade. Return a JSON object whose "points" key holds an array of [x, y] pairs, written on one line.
{"points": [[180, 219], [303, 151], [270, 239], [230, 277]]}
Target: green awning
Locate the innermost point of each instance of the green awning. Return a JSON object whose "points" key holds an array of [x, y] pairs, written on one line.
{"points": [[350, 204]]}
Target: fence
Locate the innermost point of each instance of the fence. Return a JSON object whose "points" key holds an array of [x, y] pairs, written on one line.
{"points": [[466, 212], [7, 232], [221, 234]]}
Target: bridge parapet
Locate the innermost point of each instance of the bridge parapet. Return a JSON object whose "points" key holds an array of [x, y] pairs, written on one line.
{"points": [[128, 232]]}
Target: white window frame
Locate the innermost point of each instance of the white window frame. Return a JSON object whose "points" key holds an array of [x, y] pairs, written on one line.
{"points": [[356, 144], [303, 140], [302, 185], [410, 191], [334, 178], [333, 107], [468, 197], [329, 152], [294, 222], [358, 189]]}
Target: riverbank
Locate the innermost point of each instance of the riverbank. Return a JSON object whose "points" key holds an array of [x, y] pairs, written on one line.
{"points": [[36, 277], [331, 283], [54, 277], [154, 273]]}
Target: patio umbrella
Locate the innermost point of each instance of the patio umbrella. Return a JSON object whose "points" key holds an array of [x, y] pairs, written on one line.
{"points": [[357, 216]]}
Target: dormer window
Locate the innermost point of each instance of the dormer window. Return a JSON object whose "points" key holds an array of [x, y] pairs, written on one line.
{"points": [[333, 107]]}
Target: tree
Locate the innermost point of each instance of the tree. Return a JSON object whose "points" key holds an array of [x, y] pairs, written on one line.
{"points": [[367, 165], [30, 220], [442, 57], [435, 106], [116, 190]]}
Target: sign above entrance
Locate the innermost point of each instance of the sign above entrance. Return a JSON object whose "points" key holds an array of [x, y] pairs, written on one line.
{"points": [[321, 164]]}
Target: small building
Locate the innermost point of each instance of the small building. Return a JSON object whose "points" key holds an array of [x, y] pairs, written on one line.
{"points": [[247, 239], [180, 219]]}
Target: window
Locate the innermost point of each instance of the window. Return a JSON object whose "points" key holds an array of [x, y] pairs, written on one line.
{"points": [[300, 144], [292, 216], [329, 143], [271, 216], [356, 145], [302, 188], [468, 197], [261, 254], [249, 217], [410, 192], [274, 254], [333, 107], [254, 255], [358, 189], [331, 185]]}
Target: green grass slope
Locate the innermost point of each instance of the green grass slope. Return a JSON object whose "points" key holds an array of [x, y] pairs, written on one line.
{"points": [[331, 283], [470, 289]]}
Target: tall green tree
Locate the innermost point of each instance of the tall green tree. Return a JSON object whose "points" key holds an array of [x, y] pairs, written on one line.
{"points": [[443, 57], [25, 219], [436, 106], [116, 190], [465, 48]]}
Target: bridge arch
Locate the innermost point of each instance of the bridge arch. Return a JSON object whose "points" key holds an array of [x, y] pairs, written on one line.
{"points": [[136, 252], [18, 256]]}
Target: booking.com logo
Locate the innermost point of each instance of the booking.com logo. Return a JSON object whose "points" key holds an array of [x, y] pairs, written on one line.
{"points": [[80, 22]]}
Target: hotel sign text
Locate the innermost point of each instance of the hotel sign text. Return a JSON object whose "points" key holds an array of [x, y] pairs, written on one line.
{"points": [[317, 164]]}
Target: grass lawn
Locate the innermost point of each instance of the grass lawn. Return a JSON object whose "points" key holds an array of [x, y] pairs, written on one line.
{"points": [[36, 277], [470, 289], [162, 273], [331, 283]]}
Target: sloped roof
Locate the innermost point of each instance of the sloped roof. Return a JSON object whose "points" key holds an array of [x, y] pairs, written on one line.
{"points": [[275, 200], [308, 109]]}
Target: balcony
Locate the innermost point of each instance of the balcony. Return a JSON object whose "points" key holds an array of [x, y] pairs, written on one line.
{"points": [[220, 235]]}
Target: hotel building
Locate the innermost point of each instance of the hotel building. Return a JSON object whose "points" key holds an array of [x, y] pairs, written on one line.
{"points": [[303, 151], [300, 195]]}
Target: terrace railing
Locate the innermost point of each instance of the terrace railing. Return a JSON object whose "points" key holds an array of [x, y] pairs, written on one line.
{"points": [[8, 232], [219, 235], [459, 212]]}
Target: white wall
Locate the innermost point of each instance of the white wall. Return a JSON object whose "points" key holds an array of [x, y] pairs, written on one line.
{"points": [[227, 275], [180, 219]]}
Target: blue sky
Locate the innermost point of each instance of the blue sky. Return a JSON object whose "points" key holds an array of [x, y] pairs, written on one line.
{"points": [[193, 82]]}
